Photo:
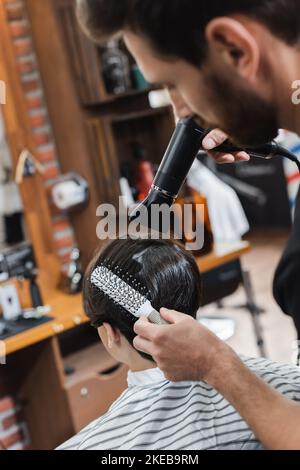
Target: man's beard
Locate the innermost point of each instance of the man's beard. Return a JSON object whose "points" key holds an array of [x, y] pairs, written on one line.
{"points": [[244, 115]]}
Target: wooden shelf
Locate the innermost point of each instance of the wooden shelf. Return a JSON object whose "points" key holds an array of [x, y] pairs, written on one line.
{"points": [[112, 98], [131, 116], [67, 312]]}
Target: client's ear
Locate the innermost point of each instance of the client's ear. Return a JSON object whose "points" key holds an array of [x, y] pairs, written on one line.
{"points": [[110, 336]]}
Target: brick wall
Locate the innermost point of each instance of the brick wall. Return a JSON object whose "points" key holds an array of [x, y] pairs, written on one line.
{"points": [[27, 64], [13, 430]]}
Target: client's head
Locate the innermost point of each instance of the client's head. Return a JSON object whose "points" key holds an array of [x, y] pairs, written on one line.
{"points": [[167, 271]]}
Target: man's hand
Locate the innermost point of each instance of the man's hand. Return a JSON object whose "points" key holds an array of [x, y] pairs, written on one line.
{"points": [[213, 139], [187, 351], [183, 350], [217, 137]]}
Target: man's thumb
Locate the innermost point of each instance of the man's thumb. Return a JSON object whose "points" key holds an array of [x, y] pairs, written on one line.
{"points": [[171, 315]]}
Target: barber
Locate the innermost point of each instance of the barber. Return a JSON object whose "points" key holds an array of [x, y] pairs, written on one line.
{"points": [[236, 65]]}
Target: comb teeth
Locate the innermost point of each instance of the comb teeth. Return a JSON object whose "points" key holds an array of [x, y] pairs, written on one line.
{"points": [[118, 290]]}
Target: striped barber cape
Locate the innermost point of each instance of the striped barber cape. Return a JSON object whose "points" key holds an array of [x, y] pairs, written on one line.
{"points": [[155, 414]]}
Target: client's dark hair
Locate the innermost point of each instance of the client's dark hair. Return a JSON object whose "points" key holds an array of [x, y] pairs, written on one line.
{"points": [[168, 272]]}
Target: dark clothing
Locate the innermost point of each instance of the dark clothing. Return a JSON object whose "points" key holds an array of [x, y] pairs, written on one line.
{"points": [[287, 278]]}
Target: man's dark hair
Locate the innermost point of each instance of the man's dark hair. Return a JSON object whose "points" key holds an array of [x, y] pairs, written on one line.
{"points": [[168, 272], [176, 28]]}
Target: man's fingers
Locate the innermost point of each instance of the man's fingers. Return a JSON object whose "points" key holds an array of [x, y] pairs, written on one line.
{"points": [[230, 158], [242, 157], [171, 316], [150, 332], [145, 329], [217, 137], [214, 139], [143, 345], [223, 157]]}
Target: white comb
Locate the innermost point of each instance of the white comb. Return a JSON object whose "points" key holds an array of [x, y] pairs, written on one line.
{"points": [[125, 295]]}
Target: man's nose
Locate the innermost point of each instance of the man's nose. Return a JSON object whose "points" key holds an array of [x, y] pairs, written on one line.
{"points": [[183, 112], [181, 109]]}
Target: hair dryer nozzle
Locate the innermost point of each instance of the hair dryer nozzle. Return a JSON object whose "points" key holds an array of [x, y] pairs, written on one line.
{"points": [[175, 166]]}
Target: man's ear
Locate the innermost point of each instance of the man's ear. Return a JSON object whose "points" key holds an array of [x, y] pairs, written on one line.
{"points": [[231, 42], [113, 335]]}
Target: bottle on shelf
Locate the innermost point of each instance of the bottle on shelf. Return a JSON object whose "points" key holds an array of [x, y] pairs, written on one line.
{"points": [[138, 80], [128, 189], [116, 69], [196, 199]]}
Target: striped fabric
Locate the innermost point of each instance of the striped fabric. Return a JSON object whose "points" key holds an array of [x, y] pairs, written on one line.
{"points": [[155, 414]]}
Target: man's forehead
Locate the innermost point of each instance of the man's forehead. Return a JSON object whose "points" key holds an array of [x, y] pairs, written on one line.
{"points": [[154, 68]]}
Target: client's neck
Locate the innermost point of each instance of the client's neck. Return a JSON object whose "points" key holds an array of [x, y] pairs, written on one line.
{"points": [[137, 363]]}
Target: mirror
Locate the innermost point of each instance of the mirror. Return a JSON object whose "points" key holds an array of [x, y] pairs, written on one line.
{"points": [[12, 230]]}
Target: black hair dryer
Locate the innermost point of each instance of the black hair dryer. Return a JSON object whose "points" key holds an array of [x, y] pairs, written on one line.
{"points": [[180, 155]]}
